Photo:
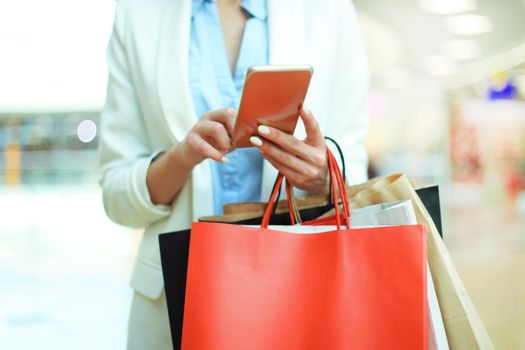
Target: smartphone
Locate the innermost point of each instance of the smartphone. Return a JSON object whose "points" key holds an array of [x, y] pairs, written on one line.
{"points": [[272, 96]]}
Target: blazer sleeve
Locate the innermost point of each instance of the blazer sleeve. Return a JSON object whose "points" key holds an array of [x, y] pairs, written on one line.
{"points": [[348, 105], [125, 150]]}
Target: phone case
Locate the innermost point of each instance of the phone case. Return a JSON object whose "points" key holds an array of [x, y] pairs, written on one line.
{"points": [[272, 96]]}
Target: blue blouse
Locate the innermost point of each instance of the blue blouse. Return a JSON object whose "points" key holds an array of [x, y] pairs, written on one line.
{"points": [[213, 86]]}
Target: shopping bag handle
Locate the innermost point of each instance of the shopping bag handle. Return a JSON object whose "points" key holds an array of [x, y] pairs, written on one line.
{"points": [[336, 182], [341, 155], [342, 191], [272, 202], [343, 165]]}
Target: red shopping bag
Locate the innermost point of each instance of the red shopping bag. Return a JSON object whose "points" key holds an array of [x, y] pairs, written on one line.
{"points": [[262, 288]]}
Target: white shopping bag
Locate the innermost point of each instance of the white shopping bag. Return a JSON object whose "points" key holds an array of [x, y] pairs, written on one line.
{"points": [[384, 214]]}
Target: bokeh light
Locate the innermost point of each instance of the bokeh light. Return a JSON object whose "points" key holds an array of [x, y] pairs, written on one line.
{"points": [[87, 131]]}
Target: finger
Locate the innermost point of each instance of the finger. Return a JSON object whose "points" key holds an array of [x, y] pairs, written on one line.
{"points": [[293, 145], [216, 132], [298, 179], [311, 126], [293, 162], [293, 177], [205, 149], [225, 116], [286, 141]]}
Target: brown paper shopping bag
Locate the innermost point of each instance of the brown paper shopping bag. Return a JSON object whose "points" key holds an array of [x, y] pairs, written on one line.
{"points": [[462, 323]]}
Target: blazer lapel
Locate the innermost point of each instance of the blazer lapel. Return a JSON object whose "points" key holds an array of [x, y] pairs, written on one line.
{"points": [[172, 70]]}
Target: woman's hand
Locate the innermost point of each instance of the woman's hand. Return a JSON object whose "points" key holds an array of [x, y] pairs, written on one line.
{"points": [[304, 163], [209, 138]]}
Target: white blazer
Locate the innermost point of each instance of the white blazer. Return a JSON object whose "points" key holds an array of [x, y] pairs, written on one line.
{"points": [[149, 107]]}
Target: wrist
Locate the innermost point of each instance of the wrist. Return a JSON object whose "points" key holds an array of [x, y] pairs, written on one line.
{"points": [[179, 160]]}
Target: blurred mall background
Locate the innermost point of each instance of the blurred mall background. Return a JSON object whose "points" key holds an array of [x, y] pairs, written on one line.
{"points": [[447, 106]]}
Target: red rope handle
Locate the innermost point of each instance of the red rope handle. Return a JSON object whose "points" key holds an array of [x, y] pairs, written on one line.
{"points": [[269, 208], [337, 182], [342, 189], [334, 184], [271, 203], [289, 195]]}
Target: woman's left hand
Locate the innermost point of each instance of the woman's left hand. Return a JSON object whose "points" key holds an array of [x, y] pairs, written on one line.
{"points": [[304, 163]]}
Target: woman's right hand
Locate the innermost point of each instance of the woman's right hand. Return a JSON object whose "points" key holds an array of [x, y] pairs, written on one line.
{"points": [[210, 138]]}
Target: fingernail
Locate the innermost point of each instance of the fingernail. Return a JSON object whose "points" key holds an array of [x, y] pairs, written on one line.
{"points": [[256, 141], [306, 110], [225, 160], [263, 129]]}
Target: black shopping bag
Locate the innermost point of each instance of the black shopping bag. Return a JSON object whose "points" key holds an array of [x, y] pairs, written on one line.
{"points": [[430, 198]]}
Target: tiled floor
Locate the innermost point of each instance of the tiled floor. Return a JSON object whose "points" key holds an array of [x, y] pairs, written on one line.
{"points": [[64, 270]]}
